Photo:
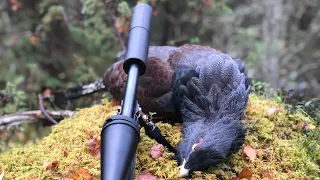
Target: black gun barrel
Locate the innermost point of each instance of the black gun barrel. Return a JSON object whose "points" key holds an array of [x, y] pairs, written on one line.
{"points": [[138, 43], [121, 133]]}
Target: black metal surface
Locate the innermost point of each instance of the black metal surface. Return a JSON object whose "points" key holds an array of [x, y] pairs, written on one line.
{"points": [[155, 134], [119, 140], [129, 101], [120, 134], [139, 38]]}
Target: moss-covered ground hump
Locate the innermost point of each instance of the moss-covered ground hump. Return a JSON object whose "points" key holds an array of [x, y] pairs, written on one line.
{"points": [[279, 145]]}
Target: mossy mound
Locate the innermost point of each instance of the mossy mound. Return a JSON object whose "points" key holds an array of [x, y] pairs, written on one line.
{"points": [[284, 148]]}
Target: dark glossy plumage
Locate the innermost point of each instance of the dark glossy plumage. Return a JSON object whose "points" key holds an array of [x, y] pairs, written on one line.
{"points": [[206, 88]]}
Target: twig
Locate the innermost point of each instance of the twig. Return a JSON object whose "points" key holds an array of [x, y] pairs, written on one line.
{"points": [[30, 117], [44, 111]]}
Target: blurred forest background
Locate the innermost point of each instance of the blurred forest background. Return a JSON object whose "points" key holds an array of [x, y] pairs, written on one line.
{"points": [[65, 43]]}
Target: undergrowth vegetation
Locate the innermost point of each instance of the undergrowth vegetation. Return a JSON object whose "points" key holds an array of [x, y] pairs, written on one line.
{"points": [[280, 144]]}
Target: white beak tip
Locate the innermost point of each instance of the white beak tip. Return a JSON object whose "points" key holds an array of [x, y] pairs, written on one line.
{"points": [[183, 171]]}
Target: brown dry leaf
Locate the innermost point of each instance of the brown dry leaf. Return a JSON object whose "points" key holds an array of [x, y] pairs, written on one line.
{"points": [[157, 151], [81, 173], [115, 102], [49, 164], [272, 110], [94, 146], [294, 127], [146, 175], [65, 153], [309, 127], [245, 173], [297, 126], [250, 152]]}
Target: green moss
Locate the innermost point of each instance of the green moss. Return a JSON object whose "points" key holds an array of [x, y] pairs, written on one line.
{"points": [[265, 128], [282, 152]]}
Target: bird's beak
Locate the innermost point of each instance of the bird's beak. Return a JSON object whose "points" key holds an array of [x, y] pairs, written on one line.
{"points": [[183, 171]]}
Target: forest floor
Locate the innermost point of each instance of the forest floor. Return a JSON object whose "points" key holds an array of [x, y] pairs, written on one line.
{"points": [[279, 145]]}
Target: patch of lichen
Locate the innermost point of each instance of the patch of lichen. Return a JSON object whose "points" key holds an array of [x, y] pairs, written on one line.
{"points": [[282, 152]]}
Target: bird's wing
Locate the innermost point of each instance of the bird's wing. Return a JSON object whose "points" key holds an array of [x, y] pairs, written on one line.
{"points": [[154, 87]]}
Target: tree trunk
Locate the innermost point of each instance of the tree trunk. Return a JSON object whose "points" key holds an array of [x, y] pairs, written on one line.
{"points": [[273, 38]]}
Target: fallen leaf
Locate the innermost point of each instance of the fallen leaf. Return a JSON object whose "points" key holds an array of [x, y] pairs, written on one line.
{"points": [[294, 127], [272, 110], [245, 173], [94, 147], [298, 126], [146, 175], [81, 173], [65, 153], [49, 164], [250, 152], [309, 127], [115, 102], [157, 150]]}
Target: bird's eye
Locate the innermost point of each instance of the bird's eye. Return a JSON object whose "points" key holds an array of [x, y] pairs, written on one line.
{"points": [[195, 146]]}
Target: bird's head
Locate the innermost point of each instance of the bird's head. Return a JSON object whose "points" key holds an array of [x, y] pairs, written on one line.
{"points": [[196, 151], [198, 157], [206, 145]]}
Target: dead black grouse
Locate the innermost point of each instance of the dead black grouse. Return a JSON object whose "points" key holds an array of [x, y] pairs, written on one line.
{"points": [[205, 88]]}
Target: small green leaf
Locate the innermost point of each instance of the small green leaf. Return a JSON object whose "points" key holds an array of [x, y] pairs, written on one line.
{"points": [[152, 113]]}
